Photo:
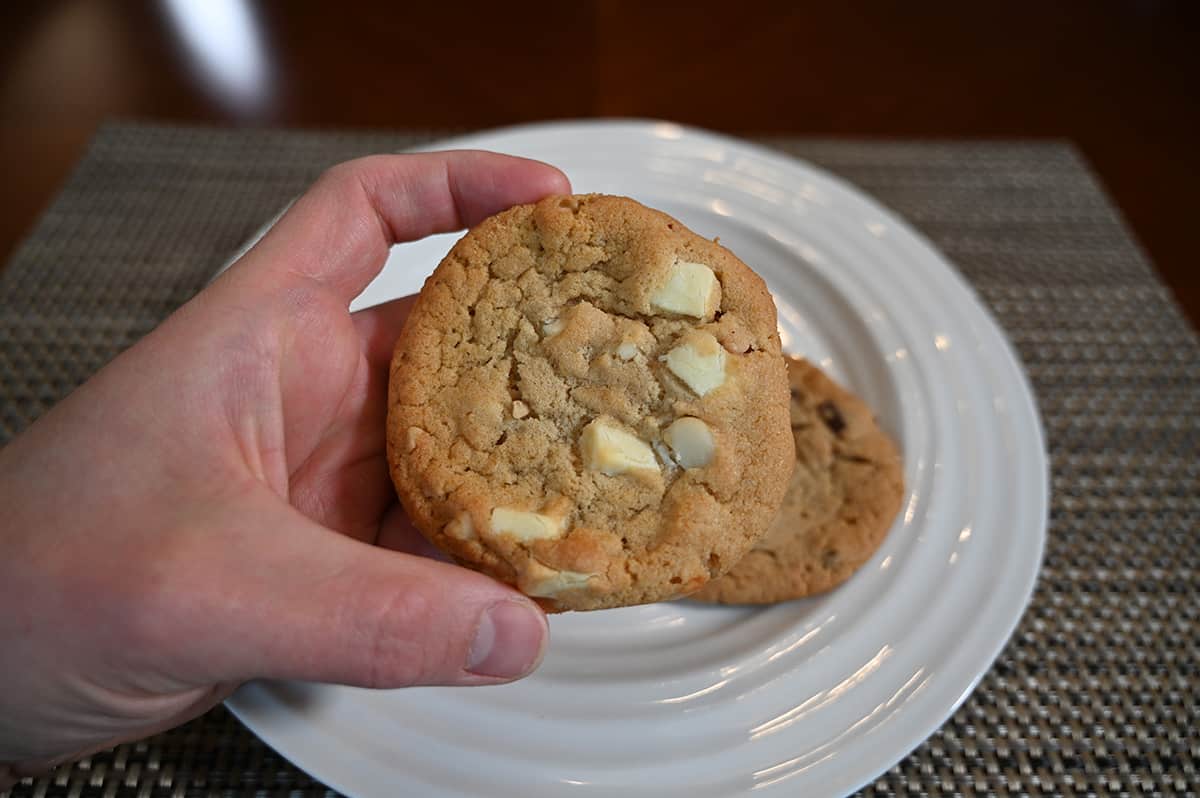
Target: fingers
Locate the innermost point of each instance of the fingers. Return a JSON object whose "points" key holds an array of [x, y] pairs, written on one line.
{"points": [[338, 233], [323, 607], [205, 699], [378, 327], [397, 533]]}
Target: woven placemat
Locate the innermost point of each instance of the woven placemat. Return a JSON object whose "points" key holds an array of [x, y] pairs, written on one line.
{"points": [[1098, 691]]}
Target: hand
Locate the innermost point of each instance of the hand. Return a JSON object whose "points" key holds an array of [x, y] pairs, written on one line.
{"points": [[203, 511]]}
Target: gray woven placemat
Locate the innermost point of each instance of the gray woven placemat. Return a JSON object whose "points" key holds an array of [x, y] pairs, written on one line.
{"points": [[1098, 691]]}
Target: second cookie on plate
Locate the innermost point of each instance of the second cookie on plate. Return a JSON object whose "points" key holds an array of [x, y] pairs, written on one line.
{"points": [[843, 498], [589, 402]]}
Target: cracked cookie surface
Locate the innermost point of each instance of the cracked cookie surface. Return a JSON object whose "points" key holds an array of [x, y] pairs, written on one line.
{"points": [[843, 496], [588, 401]]}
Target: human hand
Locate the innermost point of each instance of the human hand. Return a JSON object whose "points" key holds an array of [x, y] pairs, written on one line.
{"points": [[202, 511]]}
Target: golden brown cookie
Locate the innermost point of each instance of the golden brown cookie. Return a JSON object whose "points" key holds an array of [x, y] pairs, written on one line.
{"points": [[589, 402], [844, 495]]}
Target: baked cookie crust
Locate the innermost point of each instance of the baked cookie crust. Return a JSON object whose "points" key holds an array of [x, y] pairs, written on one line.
{"points": [[589, 402]]}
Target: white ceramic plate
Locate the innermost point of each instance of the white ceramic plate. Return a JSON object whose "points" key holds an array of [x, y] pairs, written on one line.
{"points": [[811, 697]]}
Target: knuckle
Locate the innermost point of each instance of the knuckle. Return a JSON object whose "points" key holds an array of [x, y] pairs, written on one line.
{"points": [[351, 175], [402, 648]]}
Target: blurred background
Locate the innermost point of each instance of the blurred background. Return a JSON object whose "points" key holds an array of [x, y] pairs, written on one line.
{"points": [[1118, 78]]}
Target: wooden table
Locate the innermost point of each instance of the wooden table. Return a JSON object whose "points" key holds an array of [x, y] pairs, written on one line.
{"points": [[1121, 79]]}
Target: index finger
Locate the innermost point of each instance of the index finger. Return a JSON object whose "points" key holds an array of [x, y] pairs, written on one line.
{"points": [[338, 233]]}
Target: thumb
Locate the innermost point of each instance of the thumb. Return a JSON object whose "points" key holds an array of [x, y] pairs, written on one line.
{"points": [[314, 605]]}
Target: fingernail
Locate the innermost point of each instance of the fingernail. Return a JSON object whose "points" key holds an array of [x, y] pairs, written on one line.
{"points": [[508, 640]]}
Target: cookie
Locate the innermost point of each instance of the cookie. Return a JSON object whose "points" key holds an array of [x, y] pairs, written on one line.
{"points": [[842, 499], [589, 402]]}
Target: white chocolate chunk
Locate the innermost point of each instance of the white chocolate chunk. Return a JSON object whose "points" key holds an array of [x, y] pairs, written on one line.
{"points": [[614, 451], [551, 328], [699, 361], [547, 582], [461, 527], [692, 442], [691, 289], [520, 409], [627, 351], [524, 525]]}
